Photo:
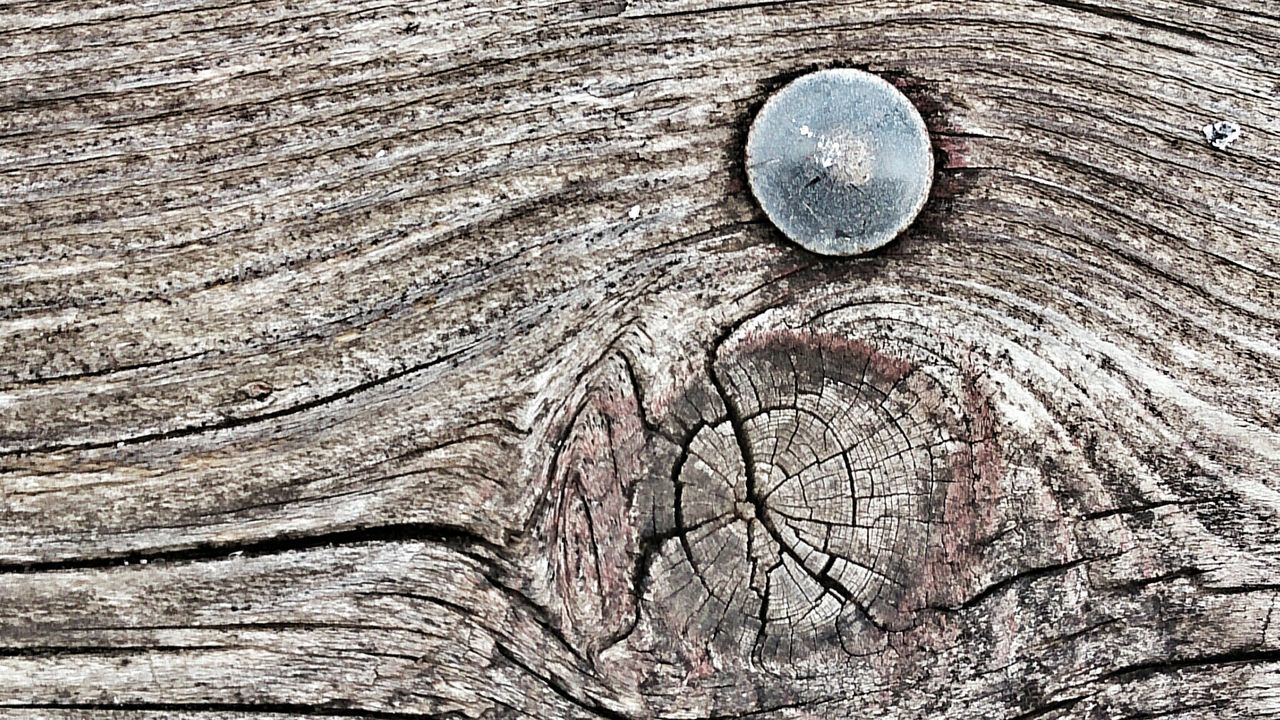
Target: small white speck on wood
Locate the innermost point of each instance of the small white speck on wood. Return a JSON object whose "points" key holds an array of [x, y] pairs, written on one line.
{"points": [[1222, 133]]}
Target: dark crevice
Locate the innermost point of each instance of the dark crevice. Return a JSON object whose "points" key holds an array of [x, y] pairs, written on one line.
{"points": [[1088, 630], [637, 390], [763, 616], [1126, 17], [100, 372], [1182, 573], [737, 424], [591, 706], [460, 539], [1144, 507], [1026, 576], [1154, 667], [682, 530], [542, 506], [653, 542], [236, 422], [539, 616], [331, 709], [1042, 710], [702, 12], [37, 651], [1241, 589], [1179, 710], [406, 595]]}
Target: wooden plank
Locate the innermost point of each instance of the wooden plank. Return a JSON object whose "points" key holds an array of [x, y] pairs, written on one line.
{"points": [[372, 359]]}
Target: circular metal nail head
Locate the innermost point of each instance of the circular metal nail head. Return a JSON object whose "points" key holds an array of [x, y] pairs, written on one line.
{"points": [[840, 161]]}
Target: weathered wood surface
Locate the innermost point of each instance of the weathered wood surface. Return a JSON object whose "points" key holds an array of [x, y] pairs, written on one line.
{"points": [[388, 360]]}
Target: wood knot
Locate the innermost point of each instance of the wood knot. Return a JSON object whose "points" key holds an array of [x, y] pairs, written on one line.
{"points": [[805, 497]]}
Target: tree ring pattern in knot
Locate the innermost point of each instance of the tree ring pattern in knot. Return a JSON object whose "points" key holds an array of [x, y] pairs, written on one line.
{"points": [[802, 505]]}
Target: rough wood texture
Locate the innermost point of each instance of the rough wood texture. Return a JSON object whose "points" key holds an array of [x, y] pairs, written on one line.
{"points": [[390, 360]]}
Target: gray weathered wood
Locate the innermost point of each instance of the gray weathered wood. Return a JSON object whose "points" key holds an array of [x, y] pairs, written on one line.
{"points": [[387, 360]]}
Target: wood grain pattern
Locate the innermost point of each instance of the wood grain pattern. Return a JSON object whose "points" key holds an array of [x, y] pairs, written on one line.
{"points": [[431, 360]]}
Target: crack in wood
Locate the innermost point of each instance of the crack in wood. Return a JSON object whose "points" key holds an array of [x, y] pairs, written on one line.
{"points": [[821, 542], [458, 539]]}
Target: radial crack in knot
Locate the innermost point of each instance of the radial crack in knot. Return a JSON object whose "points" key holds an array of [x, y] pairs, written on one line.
{"points": [[801, 505]]}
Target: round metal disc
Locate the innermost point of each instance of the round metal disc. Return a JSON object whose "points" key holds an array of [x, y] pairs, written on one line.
{"points": [[840, 161]]}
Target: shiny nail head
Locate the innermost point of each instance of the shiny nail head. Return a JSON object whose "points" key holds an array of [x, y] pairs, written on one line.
{"points": [[840, 161]]}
